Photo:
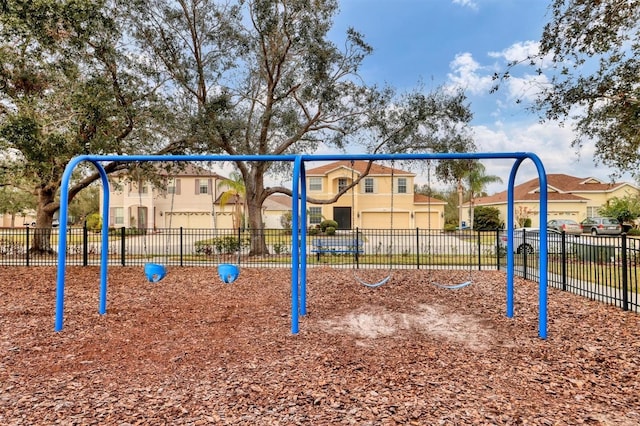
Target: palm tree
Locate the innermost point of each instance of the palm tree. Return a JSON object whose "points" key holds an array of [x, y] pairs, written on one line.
{"points": [[235, 190], [476, 180]]}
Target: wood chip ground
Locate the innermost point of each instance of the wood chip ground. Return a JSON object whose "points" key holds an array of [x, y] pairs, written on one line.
{"points": [[191, 350]]}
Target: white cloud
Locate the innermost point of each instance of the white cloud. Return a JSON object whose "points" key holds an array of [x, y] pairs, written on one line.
{"points": [[518, 52], [468, 75], [467, 3], [549, 141]]}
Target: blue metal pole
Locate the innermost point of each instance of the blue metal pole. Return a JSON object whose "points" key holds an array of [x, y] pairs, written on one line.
{"points": [[303, 240], [510, 227], [295, 246], [104, 254], [544, 249], [62, 241]]}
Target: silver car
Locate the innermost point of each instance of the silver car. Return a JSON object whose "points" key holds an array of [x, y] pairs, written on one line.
{"points": [[527, 240], [601, 226], [569, 226]]}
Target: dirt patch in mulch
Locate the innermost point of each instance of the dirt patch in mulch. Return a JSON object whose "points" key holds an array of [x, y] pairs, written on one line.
{"points": [[191, 350]]}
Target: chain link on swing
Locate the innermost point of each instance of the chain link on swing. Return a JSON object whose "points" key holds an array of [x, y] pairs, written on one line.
{"points": [[445, 286], [391, 245]]}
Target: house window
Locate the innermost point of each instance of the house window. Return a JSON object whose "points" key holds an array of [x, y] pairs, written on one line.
{"points": [[315, 184], [368, 185], [342, 184], [118, 215], [142, 188], [402, 185], [315, 215], [203, 186], [173, 186], [593, 211]]}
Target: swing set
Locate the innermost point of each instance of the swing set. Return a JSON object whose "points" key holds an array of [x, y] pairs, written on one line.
{"points": [[229, 272]]}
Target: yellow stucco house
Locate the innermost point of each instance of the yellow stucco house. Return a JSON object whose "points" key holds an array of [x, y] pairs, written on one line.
{"points": [[384, 198], [569, 197], [191, 199]]}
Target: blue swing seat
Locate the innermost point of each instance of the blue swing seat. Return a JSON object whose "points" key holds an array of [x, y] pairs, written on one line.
{"points": [[154, 272], [228, 272]]}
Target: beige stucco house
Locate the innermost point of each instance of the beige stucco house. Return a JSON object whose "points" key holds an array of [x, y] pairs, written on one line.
{"points": [[383, 199], [191, 199], [569, 197]]}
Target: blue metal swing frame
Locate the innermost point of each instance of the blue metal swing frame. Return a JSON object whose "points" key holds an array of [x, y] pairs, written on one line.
{"points": [[299, 258]]}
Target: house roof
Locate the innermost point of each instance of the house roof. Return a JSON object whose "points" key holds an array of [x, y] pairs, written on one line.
{"points": [[358, 167], [277, 202], [560, 187], [184, 170], [425, 199]]}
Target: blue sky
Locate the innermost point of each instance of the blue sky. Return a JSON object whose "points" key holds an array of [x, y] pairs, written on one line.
{"points": [[462, 43]]}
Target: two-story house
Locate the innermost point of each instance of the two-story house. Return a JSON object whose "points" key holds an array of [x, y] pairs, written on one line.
{"points": [[383, 199], [188, 198], [569, 197]]}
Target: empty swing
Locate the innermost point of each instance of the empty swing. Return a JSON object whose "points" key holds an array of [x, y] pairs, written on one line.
{"points": [[445, 286], [386, 278], [228, 272], [156, 271]]}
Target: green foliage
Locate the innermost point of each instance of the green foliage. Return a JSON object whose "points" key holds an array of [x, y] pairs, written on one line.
{"points": [[328, 223], [330, 230], [625, 209], [592, 49], [450, 227], [222, 245], [94, 222], [486, 218], [286, 220], [527, 222], [313, 230], [14, 201]]}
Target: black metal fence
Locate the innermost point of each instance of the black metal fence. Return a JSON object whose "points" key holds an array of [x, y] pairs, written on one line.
{"points": [[600, 268]]}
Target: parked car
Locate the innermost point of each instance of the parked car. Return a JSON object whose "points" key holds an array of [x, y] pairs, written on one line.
{"points": [[601, 226], [527, 240], [569, 226]]}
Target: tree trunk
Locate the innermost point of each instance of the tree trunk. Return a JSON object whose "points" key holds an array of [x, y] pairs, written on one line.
{"points": [[44, 219], [254, 192]]}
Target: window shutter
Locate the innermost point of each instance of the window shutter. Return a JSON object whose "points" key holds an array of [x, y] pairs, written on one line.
{"points": [[209, 186], [197, 186], [112, 216], [177, 190]]}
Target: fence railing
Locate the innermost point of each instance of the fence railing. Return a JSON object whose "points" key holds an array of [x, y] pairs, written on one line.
{"points": [[600, 268]]}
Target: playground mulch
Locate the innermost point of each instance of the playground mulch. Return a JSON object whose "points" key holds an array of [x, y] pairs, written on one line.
{"points": [[191, 350]]}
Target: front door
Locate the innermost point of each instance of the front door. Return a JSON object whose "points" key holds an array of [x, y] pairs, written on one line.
{"points": [[342, 215]]}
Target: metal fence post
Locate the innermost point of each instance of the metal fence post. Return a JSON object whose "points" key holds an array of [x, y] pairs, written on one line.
{"points": [[563, 254], [123, 257], [85, 245], [526, 253], [497, 249], [181, 251], [479, 252], [625, 283], [417, 248], [27, 253]]}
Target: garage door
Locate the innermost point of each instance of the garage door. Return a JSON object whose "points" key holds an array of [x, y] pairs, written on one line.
{"points": [[382, 220], [426, 220], [188, 220]]}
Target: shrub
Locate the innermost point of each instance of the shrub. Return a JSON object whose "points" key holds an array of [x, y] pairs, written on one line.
{"points": [[330, 230], [449, 227], [313, 230], [94, 222], [486, 218], [328, 223]]}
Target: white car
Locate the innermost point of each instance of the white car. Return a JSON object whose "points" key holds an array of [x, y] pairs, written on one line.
{"points": [[527, 240]]}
